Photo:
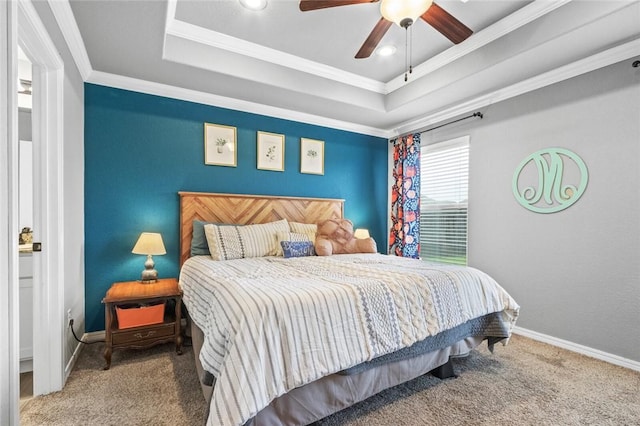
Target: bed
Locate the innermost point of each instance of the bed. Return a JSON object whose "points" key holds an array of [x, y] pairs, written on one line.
{"points": [[289, 341]]}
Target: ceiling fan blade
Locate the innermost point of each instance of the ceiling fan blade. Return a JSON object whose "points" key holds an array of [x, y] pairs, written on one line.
{"points": [[306, 5], [444, 22], [374, 38]]}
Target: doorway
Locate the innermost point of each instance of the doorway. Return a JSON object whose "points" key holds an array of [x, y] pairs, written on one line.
{"points": [[48, 226], [57, 195], [25, 216]]}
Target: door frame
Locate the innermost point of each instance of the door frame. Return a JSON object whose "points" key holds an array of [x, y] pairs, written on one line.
{"points": [[9, 302], [24, 26], [48, 215]]}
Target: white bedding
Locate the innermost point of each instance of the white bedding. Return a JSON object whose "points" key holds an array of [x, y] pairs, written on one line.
{"points": [[273, 324]]}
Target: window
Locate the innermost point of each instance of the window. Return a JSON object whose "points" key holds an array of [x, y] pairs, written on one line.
{"points": [[444, 201]]}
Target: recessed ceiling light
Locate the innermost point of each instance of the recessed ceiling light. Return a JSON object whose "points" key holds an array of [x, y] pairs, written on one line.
{"points": [[387, 50], [254, 4]]}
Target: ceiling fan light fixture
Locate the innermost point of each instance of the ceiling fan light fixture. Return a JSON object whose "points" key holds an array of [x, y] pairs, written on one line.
{"points": [[404, 12], [386, 50], [254, 4]]}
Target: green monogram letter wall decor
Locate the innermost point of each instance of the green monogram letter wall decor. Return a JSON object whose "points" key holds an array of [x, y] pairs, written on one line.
{"points": [[550, 180]]}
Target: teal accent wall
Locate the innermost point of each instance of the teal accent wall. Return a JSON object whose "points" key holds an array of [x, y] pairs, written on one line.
{"points": [[140, 150]]}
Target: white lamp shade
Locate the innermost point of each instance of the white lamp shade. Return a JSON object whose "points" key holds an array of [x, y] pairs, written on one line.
{"points": [[149, 243], [398, 10], [361, 233]]}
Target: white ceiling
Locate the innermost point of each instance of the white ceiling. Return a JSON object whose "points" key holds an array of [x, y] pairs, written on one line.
{"points": [[333, 36], [300, 65]]}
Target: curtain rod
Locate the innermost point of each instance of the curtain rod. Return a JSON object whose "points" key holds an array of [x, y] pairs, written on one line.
{"points": [[475, 114]]}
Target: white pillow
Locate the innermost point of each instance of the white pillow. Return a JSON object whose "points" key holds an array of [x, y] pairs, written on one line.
{"points": [[309, 229], [236, 242]]}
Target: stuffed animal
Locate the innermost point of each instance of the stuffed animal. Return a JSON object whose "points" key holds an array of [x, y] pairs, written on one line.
{"points": [[335, 236]]}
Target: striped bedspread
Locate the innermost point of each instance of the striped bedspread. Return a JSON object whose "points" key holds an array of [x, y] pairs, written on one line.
{"points": [[273, 324]]}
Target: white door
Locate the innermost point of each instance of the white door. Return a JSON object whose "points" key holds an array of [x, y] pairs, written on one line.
{"points": [[48, 297]]}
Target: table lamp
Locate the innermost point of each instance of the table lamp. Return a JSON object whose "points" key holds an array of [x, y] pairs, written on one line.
{"points": [[149, 243]]}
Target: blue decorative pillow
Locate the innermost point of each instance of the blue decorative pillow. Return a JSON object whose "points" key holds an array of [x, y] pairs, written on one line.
{"points": [[297, 248], [199, 245]]}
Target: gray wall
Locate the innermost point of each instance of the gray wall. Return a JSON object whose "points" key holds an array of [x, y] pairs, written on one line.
{"points": [[25, 169], [575, 273], [24, 124]]}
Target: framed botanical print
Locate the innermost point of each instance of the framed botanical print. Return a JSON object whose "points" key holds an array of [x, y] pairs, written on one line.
{"points": [[220, 145], [311, 156], [270, 151]]}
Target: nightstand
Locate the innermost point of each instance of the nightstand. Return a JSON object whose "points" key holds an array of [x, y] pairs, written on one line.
{"points": [[133, 293]]}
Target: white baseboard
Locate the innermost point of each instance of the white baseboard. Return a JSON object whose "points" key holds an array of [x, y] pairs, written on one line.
{"points": [[94, 336], [565, 344], [72, 362], [86, 337], [574, 347]]}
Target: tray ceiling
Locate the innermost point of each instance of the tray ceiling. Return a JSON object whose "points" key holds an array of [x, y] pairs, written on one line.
{"points": [[300, 65]]}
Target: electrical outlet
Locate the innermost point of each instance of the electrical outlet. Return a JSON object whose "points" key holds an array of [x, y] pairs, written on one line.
{"points": [[69, 317]]}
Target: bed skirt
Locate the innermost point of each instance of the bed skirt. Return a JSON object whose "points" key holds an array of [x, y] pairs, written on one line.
{"points": [[330, 394]]}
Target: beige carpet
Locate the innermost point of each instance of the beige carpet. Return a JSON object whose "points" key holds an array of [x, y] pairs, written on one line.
{"points": [[524, 383]]}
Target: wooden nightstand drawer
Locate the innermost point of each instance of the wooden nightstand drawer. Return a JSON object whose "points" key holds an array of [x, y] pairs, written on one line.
{"points": [[133, 336]]}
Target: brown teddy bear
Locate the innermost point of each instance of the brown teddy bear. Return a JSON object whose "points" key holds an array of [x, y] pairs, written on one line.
{"points": [[335, 236]]}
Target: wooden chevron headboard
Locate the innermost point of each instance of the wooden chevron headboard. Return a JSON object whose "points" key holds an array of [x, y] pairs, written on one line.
{"points": [[241, 209]]}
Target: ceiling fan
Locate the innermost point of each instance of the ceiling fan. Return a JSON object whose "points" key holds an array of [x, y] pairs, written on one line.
{"points": [[403, 13]]}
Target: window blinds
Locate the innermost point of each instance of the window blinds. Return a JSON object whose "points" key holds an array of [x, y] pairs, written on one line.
{"points": [[444, 201]]}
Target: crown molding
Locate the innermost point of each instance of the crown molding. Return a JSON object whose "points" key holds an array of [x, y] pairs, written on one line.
{"points": [[66, 21], [64, 15], [218, 40], [159, 89], [510, 23], [574, 69], [71, 33]]}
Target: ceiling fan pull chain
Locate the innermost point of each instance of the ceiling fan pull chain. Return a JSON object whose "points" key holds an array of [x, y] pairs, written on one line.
{"points": [[411, 50], [406, 53]]}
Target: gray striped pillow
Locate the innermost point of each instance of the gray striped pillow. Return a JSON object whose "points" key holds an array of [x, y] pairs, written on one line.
{"points": [[236, 242]]}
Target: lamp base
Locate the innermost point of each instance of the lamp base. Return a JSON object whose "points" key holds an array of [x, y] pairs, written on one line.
{"points": [[149, 275]]}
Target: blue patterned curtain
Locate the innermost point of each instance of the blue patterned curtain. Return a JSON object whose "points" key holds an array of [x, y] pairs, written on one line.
{"points": [[404, 237]]}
